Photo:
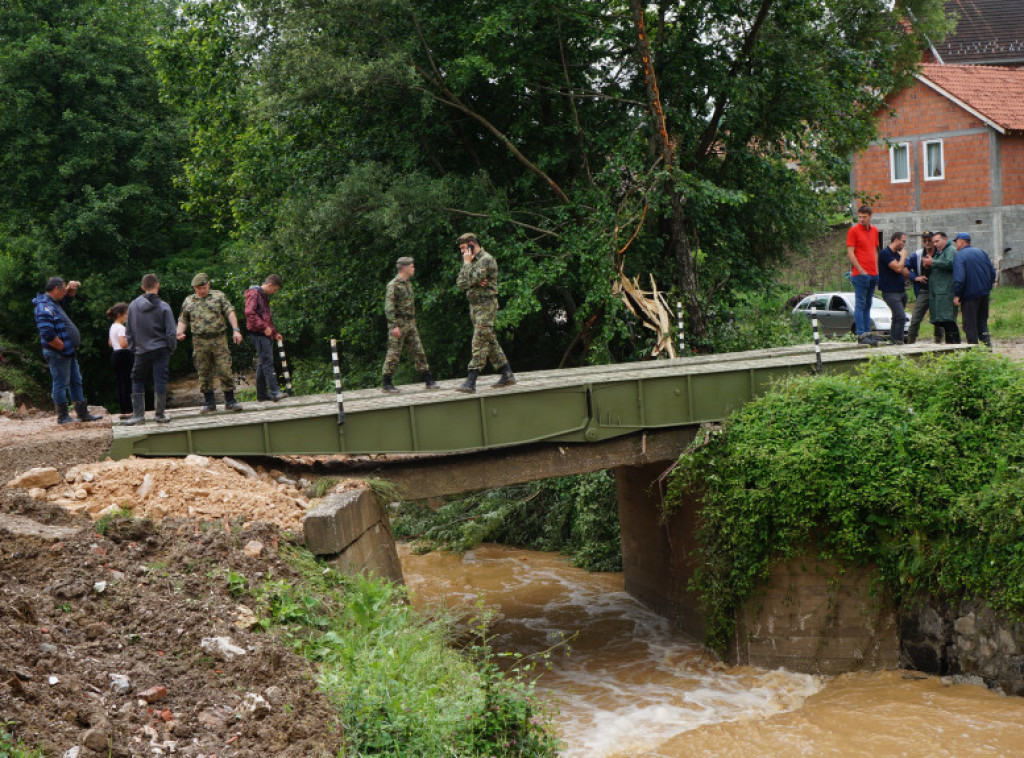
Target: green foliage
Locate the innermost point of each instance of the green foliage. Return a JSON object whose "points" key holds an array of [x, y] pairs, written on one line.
{"points": [[577, 515], [25, 377], [916, 466], [103, 522], [758, 319], [400, 689], [15, 748], [1006, 319]]}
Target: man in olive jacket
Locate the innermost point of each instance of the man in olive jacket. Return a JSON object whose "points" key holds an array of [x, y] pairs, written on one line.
{"points": [[940, 288]]}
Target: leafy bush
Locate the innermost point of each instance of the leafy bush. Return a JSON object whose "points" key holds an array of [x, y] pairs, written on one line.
{"points": [[577, 515], [14, 748], [916, 466], [400, 688]]}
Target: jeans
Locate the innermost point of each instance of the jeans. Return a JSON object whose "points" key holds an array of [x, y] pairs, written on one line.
{"points": [[67, 379], [864, 290], [159, 361], [975, 315], [266, 374], [897, 302]]}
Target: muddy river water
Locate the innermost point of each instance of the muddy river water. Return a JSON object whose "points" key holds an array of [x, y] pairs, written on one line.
{"points": [[626, 684]]}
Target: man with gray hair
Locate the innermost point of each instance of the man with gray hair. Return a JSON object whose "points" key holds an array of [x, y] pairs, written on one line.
{"points": [[400, 311]]}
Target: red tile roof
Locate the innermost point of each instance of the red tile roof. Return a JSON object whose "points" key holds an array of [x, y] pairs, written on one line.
{"points": [[987, 31], [994, 92]]}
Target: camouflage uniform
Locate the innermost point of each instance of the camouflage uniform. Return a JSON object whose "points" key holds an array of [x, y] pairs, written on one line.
{"points": [[400, 310], [483, 309], [208, 318]]}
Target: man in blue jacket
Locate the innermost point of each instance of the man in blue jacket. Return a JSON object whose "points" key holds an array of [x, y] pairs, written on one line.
{"points": [[60, 340], [973, 277]]}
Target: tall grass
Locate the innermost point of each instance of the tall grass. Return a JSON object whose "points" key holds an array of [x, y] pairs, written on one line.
{"points": [[1006, 317]]}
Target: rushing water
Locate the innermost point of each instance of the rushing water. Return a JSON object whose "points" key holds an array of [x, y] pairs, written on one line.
{"points": [[626, 684]]}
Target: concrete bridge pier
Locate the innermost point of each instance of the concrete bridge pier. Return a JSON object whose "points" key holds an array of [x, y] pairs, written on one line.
{"points": [[658, 552]]}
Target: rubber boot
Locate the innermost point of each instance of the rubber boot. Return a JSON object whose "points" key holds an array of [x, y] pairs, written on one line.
{"points": [[386, 385], [507, 378], [63, 417], [138, 409], [469, 385], [229, 402], [428, 381], [210, 405], [82, 409], [160, 402]]}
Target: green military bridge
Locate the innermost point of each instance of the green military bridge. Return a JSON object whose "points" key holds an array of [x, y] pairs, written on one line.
{"points": [[634, 419]]}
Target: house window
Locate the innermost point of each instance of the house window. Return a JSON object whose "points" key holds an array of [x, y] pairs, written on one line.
{"points": [[934, 165], [899, 163]]}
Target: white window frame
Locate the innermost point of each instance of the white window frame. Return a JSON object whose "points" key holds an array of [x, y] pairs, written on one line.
{"points": [[892, 162], [942, 160]]}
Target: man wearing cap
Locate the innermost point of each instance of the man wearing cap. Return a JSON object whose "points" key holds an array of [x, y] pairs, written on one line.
{"points": [[940, 288], [400, 310], [917, 265], [60, 340], [478, 278], [973, 277], [210, 313]]}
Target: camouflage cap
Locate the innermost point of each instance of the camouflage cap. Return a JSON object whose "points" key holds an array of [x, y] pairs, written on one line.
{"points": [[404, 261], [466, 238], [200, 279]]}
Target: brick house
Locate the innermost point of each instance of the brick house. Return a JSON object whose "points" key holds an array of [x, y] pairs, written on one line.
{"points": [[950, 153]]}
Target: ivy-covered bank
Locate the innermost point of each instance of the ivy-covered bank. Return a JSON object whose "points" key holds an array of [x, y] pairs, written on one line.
{"points": [[915, 466]]}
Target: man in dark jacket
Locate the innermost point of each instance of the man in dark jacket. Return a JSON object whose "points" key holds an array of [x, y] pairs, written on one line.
{"points": [[152, 336], [60, 340], [973, 277], [259, 321], [940, 288]]}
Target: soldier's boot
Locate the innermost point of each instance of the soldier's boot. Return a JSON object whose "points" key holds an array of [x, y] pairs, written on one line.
{"points": [[229, 402], [82, 409], [507, 378], [470, 384], [138, 409], [160, 402], [209, 404], [63, 417], [386, 385], [428, 381]]}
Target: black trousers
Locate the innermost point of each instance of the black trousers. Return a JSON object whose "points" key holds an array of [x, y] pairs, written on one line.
{"points": [[266, 374], [159, 361], [122, 362], [975, 314]]}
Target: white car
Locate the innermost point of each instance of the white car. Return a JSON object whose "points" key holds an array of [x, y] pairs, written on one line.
{"points": [[835, 313]]}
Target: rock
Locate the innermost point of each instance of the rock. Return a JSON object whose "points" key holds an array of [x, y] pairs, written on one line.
{"points": [[273, 693], [53, 681], [73, 752], [253, 548], [242, 468], [103, 511], [222, 647], [965, 625], [36, 477], [81, 494], [287, 481], [146, 486], [87, 476], [197, 460], [245, 618], [252, 706], [37, 493], [96, 739], [99, 587], [120, 684], [153, 694]]}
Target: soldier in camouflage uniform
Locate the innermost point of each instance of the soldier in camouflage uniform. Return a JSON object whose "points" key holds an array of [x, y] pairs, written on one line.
{"points": [[400, 310], [478, 278], [210, 313]]}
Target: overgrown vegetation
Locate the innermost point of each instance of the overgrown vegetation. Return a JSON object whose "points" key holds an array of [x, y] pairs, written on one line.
{"points": [[400, 687], [10, 747], [576, 515], [915, 466]]}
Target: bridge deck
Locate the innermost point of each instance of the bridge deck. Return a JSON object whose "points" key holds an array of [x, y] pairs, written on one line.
{"points": [[571, 405]]}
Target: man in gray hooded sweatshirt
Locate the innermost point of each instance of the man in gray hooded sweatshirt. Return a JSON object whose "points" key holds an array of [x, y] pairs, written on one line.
{"points": [[151, 332]]}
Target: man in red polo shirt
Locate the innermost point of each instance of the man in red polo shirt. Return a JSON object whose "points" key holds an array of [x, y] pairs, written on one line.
{"points": [[862, 250]]}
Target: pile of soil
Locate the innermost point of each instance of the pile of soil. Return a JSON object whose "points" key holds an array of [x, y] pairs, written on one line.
{"points": [[131, 643]]}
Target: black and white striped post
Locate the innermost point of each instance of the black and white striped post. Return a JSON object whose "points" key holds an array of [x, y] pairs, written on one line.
{"points": [[817, 341], [284, 366], [679, 324], [337, 382]]}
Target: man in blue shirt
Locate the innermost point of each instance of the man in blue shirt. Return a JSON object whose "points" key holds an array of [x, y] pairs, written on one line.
{"points": [[892, 283], [973, 277], [60, 339]]}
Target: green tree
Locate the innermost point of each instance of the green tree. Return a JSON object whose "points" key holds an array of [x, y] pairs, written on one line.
{"points": [[87, 154]]}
